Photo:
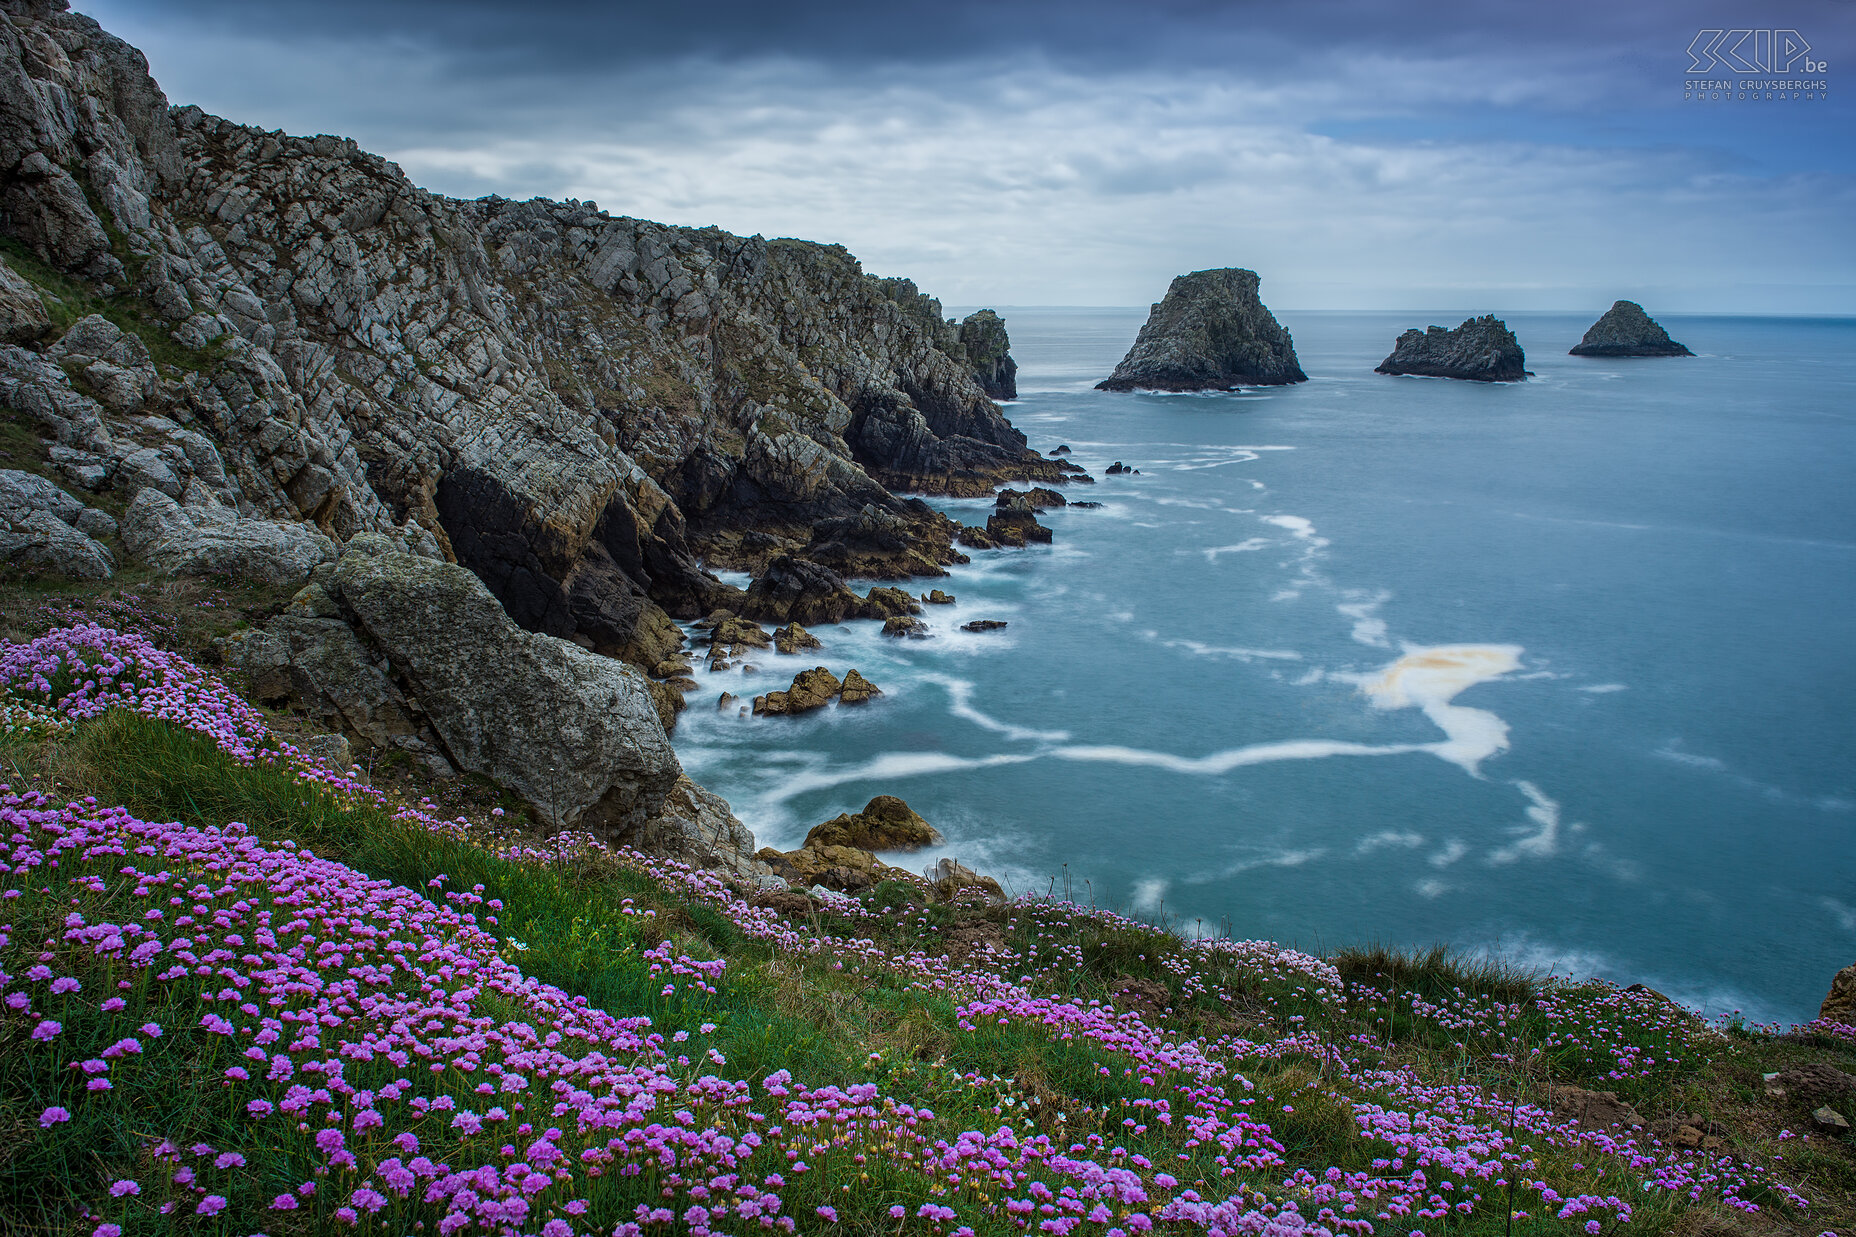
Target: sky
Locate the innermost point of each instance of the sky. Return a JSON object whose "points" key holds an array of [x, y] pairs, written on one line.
{"points": [[1486, 157]]}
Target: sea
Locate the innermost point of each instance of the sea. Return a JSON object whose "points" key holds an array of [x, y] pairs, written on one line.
{"points": [[1562, 671]]}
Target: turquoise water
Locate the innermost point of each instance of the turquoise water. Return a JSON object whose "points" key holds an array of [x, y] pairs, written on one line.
{"points": [[1560, 669]]}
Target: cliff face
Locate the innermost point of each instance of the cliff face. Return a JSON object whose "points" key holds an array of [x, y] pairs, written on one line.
{"points": [[1210, 333], [1625, 330], [575, 406], [1481, 350], [989, 351]]}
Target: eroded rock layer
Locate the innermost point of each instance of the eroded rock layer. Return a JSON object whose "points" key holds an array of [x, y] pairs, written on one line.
{"points": [[579, 407]]}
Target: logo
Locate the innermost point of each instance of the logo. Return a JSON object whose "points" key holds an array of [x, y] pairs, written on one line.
{"points": [[1752, 51]]}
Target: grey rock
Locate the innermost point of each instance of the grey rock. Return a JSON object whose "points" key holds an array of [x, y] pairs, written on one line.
{"points": [[333, 748], [42, 528], [1209, 333], [574, 733], [1481, 350], [989, 352], [1840, 1002], [1625, 330], [694, 826], [213, 540], [22, 312], [1828, 1118]]}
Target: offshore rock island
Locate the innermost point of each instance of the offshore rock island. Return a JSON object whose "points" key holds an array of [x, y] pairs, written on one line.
{"points": [[1625, 330], [1481, 350], [1209, 333]]}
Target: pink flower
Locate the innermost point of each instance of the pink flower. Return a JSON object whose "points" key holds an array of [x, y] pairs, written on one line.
{"points": [[53, 1116], [125, 1186], [211, 1205]]}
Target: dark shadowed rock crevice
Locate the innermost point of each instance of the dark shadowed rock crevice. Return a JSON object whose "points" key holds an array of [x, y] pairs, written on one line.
{"points": [[1209, 333]]}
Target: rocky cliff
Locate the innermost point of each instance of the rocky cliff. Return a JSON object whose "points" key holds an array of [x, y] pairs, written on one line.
{"points": [[989, 352], [1625, 330], [578, 407], [1481, 350], [1209, 333]]}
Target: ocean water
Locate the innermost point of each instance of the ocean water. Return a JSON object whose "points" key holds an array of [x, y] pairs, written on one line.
{"points": [[1561, 670]]}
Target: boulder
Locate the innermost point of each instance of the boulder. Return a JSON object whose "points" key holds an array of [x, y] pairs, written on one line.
{"points": [[811, 689], [976, 538], [1625, 330], [574, 733], [952, 877], [22, 312], [903, 625], [845, 868], [738, 631], [1209, 333], [694, 826], [885, 823], [978, 625], [795, 590], [215, 540], [857, 689], [1840, 1004], [42, 528], [988, 348], [792, 638], [935, 597], [885, 602], [1481, 350], [113, 365], [1119, 469], [1036, 499], [1015, 522]]}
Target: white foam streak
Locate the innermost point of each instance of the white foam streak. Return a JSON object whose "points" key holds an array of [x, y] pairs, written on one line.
{"points": [[884, 768], [1234, 758], [1430, 678], [1545, 840], [1199, 649], [960, 704], [1243, 547]]}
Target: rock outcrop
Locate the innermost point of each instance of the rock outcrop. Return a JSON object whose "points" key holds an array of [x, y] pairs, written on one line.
{"points": [[42, 528], [1625, 330], [1481, 350], [695, 827], [1840, 1003], [1209, 333], [856, 689], [989, 352], [1014, 521], [575, 406], [211, 540], [885, 823], [407, 652]]}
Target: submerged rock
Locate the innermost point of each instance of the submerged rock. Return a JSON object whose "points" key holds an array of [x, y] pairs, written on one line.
{"points": [[905, 625], [857, 689], [936, 597], [1015, 522], [1481, 350], [981, 625], [792, 637], [885, 823], [1209, 333], [1625, 330], [1036, 499]]}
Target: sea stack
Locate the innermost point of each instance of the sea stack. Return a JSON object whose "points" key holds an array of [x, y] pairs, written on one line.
{"points": [[1210, 333], [1626, 330], [989, 351], [1481, 350]]}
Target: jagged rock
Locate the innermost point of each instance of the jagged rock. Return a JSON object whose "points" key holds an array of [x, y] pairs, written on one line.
{"points": [[1840, 1003], [22, 314], [1625, 330], [902, 625], [1209, 333], [694, 826], [1119, 469], [984, 625], [726, 699], [794, 590], [738, 631], [212, 540], [42, 528], [885, 823], [845, 868], [989, 349], [880, 544], [573, 405], [792, 638], [1061, 449], [1828, 1118], [1037, 499], [1015, 522], [111, 363], [668, 700], [575, 734], [811, 689], [884, 602], [976, 538], [936, 597], [1481, 350], [857, 689]]}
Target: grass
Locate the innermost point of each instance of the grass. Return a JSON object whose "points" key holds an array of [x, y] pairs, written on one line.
{"points": [[586, 924]]}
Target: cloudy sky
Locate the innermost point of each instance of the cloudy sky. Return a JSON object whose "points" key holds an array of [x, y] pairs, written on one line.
{"points": [[1358, 155]]}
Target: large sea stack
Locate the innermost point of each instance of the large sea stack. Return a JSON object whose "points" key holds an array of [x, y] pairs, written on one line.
{"points": [[1481, 350], [1626, 330], [1210, 333], [989, 352]]}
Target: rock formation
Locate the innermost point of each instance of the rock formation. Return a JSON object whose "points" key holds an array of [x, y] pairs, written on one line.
{"points": [[1014, 521], [42, 528], [1209, 333], [1625, 330], [1840, 1003], [989, 352], [574, 406], [1481, 350], [856, 689], [885, 823], [402, 651]]}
